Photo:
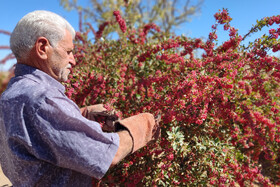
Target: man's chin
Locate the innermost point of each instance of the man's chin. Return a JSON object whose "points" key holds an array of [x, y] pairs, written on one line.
{"points": [[64, 75], [64, 78]]}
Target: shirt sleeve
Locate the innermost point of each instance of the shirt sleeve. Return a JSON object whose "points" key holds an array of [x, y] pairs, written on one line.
{"points": [[65, 138]]}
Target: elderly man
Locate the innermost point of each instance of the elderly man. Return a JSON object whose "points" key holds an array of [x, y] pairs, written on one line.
{"points": [[44, 138]]}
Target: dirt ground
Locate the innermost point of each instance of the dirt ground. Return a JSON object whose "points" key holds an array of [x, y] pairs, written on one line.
{"points": [[4, 181]]}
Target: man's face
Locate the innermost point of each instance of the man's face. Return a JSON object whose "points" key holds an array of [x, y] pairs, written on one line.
{"points": [[62, 59]]}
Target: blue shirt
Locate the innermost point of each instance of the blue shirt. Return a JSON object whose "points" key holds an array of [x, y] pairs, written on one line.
{"points": [[44, 139]]}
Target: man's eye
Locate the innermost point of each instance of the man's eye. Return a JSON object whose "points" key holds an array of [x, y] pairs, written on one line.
{"points": [[69, 52]]}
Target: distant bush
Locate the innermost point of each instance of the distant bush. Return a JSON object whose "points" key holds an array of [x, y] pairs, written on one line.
{"points": [[4, 79]]}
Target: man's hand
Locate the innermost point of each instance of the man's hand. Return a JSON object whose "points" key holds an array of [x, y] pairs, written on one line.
{"points": [[102, 115], [143, 128]]}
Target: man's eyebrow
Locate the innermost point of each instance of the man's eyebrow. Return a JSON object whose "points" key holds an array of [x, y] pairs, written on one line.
{"points": [[68, 48]]}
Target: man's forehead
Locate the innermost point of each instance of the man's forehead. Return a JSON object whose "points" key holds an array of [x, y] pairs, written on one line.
{"points": [[67, 40]]}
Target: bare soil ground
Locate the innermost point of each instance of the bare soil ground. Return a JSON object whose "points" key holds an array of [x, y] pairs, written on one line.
{"points": [[4, 181]]}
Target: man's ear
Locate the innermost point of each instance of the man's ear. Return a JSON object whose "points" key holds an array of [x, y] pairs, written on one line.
{"points": [[42, 47]]}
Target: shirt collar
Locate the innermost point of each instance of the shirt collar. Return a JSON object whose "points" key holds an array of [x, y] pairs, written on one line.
{"points": [[22, 69]]}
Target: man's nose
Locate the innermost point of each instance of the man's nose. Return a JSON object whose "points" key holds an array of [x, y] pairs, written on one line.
{"points": [[72, 60]]}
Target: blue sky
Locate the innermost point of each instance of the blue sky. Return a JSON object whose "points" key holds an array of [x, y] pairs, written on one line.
{"points": [[244, 14]]}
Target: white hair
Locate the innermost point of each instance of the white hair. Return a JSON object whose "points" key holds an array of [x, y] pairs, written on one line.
{"points": [[37, 24]]}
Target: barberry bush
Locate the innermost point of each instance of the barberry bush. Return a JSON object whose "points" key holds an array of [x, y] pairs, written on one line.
{"points": [[220, 107]]}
